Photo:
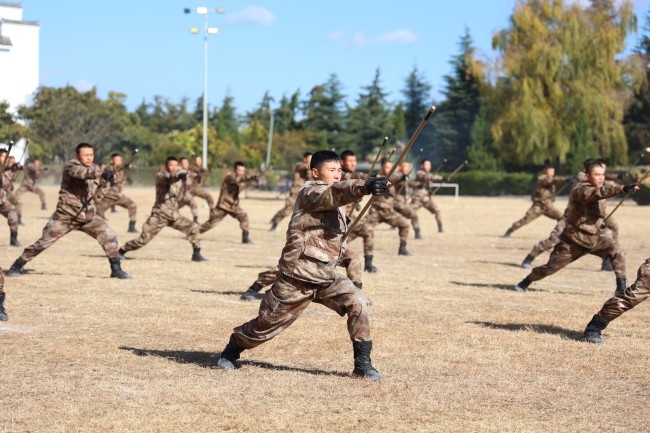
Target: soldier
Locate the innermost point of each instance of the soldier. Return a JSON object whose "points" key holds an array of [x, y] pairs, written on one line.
{"points": [[382, 211], [621, 302], [81, 182], [170, 187], [308, 267], [402, 183], [188, 199], [115, 196], [585, 230], [422, 195], [228, 203], [198, 174], [301, 174], [3, 314], [542, 200], [349, 167], [7, 208], [32, 172]]}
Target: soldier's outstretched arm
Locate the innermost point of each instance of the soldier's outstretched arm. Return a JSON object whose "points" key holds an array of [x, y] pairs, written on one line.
{"points": [[79, 171], [320, 198]]}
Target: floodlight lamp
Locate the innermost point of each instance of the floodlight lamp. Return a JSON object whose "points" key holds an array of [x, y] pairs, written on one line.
{"points": [[194, 30], [221, 11], [213, 30], [202, 10]]}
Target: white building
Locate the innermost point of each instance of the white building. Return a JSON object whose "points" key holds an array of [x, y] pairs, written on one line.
{"points": [[18, 57]]}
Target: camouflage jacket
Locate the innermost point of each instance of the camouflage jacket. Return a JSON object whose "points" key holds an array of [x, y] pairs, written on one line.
{"points": [[230, 188], [586, 212], [314, 237], [301, 174], [198, 176], [545, 188], [386, 201], [119, 178], [347, 175], [31, 175], [424, 179], [170, 189], [7, 184], [402, 183], [78, 185]]}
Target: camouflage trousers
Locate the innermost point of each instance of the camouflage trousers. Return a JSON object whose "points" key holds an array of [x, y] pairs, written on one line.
{"points": [[2, 280], [286, 211], [567, 251], [156, 222], [198, 191], [217, 214], [553, 239], [390, 217], [60, 224], [350, 261], [403, 208], [421, 198], [633, 295], [189, 200], [116, 199], [22, 189], [287, 299], [536, 210], [8, 210], [367, 234]]}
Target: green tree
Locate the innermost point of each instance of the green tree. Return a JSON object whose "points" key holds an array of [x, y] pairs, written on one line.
{"points": [[323, 115], [10, 129], [285, 114]]}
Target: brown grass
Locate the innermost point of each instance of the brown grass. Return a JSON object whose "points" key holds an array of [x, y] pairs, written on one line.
{"points": [[458, 351]]}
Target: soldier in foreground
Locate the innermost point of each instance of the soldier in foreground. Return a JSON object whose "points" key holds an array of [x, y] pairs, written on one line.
{"points": [[621, 302], [301, 174], [586, 232], [75, 210], [115, 195], [308, 267], [7, 200], [422, 195], [170, 188], [543, 197], [32, 173], [228, 203]]}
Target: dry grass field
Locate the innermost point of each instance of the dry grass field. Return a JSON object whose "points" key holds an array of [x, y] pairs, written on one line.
{"points": [[459, 351]]}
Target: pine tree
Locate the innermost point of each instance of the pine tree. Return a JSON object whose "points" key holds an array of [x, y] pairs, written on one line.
{"points": [[637, 119], [323, 115]]}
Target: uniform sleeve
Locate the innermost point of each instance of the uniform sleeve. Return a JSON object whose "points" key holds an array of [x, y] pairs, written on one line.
{"points": [[320, 198], [591, 194], [80, 171]]}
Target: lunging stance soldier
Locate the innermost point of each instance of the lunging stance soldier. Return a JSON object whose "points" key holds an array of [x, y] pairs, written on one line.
{"points": [[422, 195], [115, 195], [32, 173], [7, 208]]}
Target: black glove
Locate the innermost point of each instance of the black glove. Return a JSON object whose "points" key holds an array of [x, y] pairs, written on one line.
{"points": [[108, 176], [254, 178], [629, 188], [17, 166], [182, 176], [376, 185]]}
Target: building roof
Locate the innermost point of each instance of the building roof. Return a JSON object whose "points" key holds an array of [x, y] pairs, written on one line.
{"points": [[25, 23], [11, 5], [5, 40]]}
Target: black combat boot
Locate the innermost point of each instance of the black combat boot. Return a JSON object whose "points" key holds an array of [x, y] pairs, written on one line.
{"points": [[20, 220], [440, 230], [402, 249], [229, 356], [418, 235], [132, 228], [196, 220], [528, 262], [121, 252], [17, 268], [274, 225], [116, 270], [252, 293], [621, 285], [244, 237], [369, 266], [43, 207], [14, 240], [3, 313], [508, 233], [593, 330], [362, 364], [522, 285], [197, 257], [358, 285], [607, 265]]}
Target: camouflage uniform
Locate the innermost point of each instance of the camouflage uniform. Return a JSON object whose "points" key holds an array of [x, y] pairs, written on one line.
{"points": [[422, 195], [542, 202], [401, 204], [382, 211], [169, 187], [32, 174], [198, 181], [75, 211], [301, 174], [3, 313], [631, 297], [228, 203], [308, 267], [115, 195], [7, 203], [188, 199], [584, 232]]}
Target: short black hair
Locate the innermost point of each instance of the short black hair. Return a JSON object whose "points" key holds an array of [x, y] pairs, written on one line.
{"points": [[347, 153], [592, 165], [3, 151], [183, 159], [587, 161], [602, 161], [547, 166], [171, 158], [238, 164], [322, 156], [114, 155], [82, 146], [424, 160], [306, 154]]}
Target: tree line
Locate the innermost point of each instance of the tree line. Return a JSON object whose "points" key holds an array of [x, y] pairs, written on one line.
{"points": [[560, 90]]}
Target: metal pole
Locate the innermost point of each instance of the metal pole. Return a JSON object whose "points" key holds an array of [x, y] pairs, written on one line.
{"points": [[270, 142], [205, 91]]}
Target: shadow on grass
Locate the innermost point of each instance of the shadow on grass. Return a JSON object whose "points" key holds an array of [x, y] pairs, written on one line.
{"points": [[510, 287], [217, 292], [540, 329], [209, 360], [489, 262]]}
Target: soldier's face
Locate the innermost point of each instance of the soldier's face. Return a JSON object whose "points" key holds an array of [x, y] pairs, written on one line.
{"points": [[405, 168], [117, 161], [426, 166], [349, 164], [386, 168], [550, 172], [597, 176], [37, 163], [198, 161], [185, 164], [2, 157], [240, 170], [329, 172], [172, 166], [86, 156]]}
